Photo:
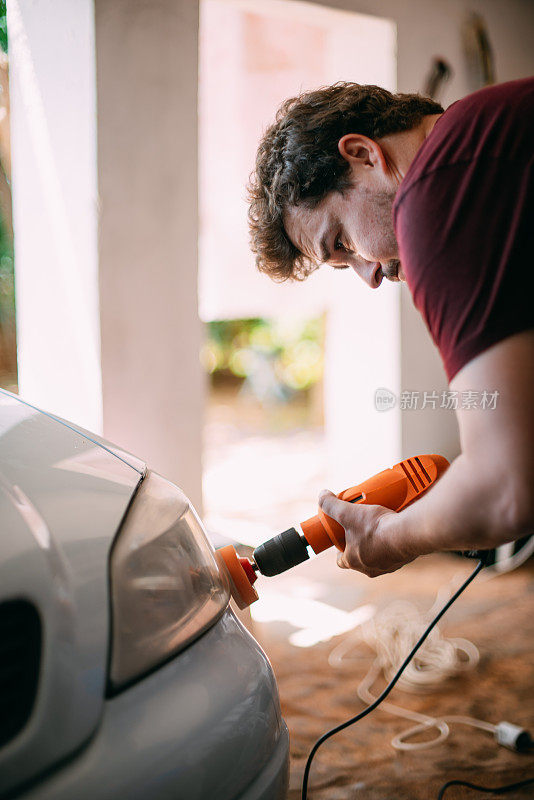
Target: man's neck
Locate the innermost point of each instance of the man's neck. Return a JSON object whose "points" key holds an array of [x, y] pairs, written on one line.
{"points": [[400, 149]]}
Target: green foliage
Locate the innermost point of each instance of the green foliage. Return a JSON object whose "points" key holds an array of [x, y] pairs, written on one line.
{"points": [[8, 355], [3, 26], [7, 280], [290, 349]]}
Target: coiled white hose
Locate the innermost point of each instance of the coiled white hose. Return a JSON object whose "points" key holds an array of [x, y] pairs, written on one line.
{"points": [[392, 633]]}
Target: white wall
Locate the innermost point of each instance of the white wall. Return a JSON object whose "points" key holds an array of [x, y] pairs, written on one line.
{"points": [[427, 28], [53, 135]]}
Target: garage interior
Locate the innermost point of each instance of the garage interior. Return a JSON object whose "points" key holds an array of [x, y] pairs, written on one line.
{"points": [[157, 229]]}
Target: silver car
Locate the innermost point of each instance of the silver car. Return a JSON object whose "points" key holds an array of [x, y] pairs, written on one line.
{"points": [[123, 672]]}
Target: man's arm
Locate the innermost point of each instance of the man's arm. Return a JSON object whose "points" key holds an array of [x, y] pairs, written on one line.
{"points": [[486, 497]]}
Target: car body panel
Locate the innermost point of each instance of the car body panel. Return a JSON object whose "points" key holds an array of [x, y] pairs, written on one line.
{"points": [[123, 455], [206, 725], [62, 499]]}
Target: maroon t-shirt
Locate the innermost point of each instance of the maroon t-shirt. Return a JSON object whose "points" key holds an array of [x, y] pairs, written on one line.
{"points": [[464, 219]]}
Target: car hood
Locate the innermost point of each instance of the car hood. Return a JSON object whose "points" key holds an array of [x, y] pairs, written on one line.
{"points": [[63, 495]]}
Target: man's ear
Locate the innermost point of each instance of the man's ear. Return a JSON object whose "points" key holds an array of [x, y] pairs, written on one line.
{"points": [[360, 150]]}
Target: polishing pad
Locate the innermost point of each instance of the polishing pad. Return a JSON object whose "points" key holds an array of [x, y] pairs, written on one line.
{"points": [[241, 588]]}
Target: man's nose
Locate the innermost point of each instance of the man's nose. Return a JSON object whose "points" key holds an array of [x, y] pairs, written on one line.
{"points": [[370, 272]]}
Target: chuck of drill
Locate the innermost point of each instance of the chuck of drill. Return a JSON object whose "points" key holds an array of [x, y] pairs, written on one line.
{"points": [[282, 552]]}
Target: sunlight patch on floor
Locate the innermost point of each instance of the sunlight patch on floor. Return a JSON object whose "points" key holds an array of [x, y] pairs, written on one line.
{"points": [[315, 620]]}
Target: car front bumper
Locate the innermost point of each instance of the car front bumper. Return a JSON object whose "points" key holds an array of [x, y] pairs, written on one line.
{"points": [[206, 725]]}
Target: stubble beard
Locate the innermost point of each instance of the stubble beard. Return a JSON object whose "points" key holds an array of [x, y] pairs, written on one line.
{"points": [[390, 269], [388, 245]]}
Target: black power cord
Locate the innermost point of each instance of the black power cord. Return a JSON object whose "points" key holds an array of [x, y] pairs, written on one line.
{"points": [[390, 685], [488, 789]]}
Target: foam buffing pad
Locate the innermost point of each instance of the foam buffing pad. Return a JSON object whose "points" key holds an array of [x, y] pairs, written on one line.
{"points": [[240, 574]]}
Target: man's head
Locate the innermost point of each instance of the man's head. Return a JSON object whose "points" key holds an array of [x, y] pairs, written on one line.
{"points": [[324, 183]]}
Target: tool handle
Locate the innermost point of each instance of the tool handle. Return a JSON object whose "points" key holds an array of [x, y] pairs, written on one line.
{"points": [[394, 488]]}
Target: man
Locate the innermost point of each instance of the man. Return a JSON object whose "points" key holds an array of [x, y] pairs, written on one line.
{"points": [[392, 186]]}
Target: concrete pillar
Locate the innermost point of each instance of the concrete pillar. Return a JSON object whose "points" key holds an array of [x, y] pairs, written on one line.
{"points": [[105, 212], [146, 58]]}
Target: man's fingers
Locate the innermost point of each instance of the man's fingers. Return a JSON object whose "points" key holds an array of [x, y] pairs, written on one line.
{"points": [[334, 507], [347, 514]]}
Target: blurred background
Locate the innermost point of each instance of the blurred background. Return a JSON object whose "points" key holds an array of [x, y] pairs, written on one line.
{"points": [[130, 303]]}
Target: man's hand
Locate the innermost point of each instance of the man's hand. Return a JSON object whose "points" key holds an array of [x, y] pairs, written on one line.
{"points": [[485, 498], [367, 549]]}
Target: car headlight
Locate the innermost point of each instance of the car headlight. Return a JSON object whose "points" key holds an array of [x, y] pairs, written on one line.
{"points": [[166, 588]]}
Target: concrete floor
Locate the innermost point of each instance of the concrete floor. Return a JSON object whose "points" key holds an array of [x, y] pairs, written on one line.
{"points": [[497, 615]]}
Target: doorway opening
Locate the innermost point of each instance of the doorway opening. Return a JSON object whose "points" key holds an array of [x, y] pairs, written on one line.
{"points": [[276, 429]]}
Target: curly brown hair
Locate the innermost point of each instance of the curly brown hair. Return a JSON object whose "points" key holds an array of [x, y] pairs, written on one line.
{"points": [[298, 160]]}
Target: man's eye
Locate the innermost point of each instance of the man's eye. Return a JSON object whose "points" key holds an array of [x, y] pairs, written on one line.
{"points": [[340, 247]]}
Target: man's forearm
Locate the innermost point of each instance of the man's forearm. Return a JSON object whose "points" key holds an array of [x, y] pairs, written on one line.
{"points": [[468, 509], [486, 497]]}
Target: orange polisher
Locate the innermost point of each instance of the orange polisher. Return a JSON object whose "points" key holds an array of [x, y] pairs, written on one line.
{"points": [[394, 488]]}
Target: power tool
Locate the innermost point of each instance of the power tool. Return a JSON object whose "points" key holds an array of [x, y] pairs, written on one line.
{"points": [[394, 488]]}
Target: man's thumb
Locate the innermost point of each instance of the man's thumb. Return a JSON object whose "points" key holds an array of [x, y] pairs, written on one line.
{"points": [[333, 506]]}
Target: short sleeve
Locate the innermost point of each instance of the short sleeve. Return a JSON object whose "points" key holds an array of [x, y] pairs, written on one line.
{"points": [[466, 243]]}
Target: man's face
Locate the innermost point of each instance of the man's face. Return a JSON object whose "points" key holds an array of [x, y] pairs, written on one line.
{"points": [[351, 229]]}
